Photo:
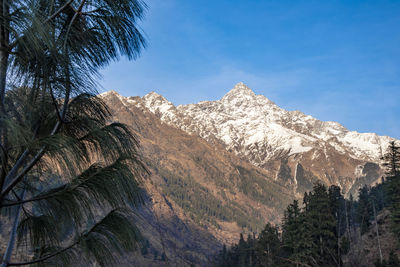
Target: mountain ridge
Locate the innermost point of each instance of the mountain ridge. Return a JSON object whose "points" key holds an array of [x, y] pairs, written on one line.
{"points": [[200, 196], [259, 131], [217, 188]]}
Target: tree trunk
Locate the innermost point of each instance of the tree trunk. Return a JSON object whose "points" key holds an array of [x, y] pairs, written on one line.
{"points": [[4, 53], [11, 242], [377, 233], [3, 74], [347, 221]]}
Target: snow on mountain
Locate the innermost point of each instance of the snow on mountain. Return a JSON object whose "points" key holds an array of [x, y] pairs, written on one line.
{"points": [[257, 130], [248, 123]]}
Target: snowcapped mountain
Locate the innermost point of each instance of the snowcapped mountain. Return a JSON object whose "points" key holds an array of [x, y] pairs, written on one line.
{"points": [[286, 143], [221, 168]]}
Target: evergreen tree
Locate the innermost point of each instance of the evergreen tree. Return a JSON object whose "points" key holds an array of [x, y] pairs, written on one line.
{"points": [[312, 236], [251, 254], [337, 204], [223, 257], [391, 160], [296, 240], [321, 225], [67, 176], [242, 251], [392, 187], [364, 209], [268, 247]]}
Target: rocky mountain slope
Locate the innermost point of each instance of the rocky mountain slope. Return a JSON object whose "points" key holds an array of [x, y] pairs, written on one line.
{"points": [[200, 196], [295, 148], [220, 168]]}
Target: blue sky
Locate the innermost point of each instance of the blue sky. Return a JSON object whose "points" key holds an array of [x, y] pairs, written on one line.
{"points": [[334, 60]]}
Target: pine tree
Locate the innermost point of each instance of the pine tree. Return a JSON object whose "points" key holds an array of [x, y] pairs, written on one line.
{"points": [[337, 204], [223, 258], [268, 247], [296, 240], [251, 254], [67, 175], [394, 196], [364, 209], [391, 160], [392, 188], [321, 225], [242, 251]]}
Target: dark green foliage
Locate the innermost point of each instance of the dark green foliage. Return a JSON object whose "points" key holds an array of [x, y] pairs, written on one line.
{"points": [[268, 247], [75, 174], [296, 242], [80, 210], [392, 186], [364, 209], [195, 199], [391, 160], [243, 254], [393, 199], [260, 189], [320, 232], [321, 227], [309, 235]]}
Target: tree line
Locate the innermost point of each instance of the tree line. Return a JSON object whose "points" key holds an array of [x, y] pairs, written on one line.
{"points": [[321, 229]]}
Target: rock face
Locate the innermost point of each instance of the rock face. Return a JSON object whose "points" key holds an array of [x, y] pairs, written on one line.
{"points": [[257, 130], [200, 196], [220, 168]]}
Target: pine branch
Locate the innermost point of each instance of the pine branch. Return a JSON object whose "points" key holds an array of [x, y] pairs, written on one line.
{"points": [[77, 12], [86, 236], [51, 17], [55, 105], [61, 9], [24, 171], [94, 179], [45, 257], [11, 242], [3, 170], [28, 166], [18, 164], [14, 203]]}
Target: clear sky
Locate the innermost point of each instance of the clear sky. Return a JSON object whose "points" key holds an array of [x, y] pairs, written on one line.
{"points": [[334, 60]]}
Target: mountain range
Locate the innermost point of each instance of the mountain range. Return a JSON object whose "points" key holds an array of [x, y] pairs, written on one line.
{"points": [[221, 168]]}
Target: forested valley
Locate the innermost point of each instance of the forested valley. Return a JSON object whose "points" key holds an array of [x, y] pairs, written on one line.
{"points": [[327, 229]]}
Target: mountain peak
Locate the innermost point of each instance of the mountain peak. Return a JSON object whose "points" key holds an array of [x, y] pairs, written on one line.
{"points": [[240, 90], [153, 94], [155, 101], [108, 93], [241, 85]]}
